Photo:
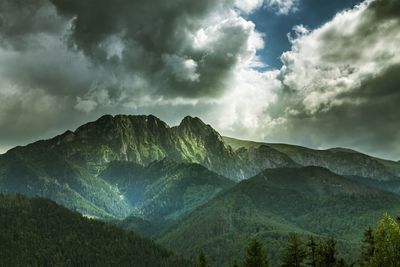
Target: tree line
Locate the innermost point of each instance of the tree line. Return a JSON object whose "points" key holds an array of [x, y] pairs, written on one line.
{"points": [[380, 248]]}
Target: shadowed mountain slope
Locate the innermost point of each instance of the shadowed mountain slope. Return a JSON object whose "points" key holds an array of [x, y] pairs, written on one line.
{"points": [[309, 200]]}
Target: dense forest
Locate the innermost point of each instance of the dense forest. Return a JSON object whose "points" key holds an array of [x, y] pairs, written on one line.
{"points": [[38, 232], [308, 201], [380, 248]]}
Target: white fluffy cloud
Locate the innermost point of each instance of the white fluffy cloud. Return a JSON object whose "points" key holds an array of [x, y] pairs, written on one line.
{"points": [[340, 83], [283, 6], [242, 111], [338, 57], [248, 6], [337, 82]]}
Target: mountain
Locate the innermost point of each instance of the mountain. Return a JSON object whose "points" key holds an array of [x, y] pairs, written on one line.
{"points": [[38, 232], [80, 169], [190, 188], [308, 200], [68, 168], [339, 160]]}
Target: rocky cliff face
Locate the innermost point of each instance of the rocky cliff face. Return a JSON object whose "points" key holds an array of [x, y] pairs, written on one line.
{"points": [[67, 168], [144, 139]]}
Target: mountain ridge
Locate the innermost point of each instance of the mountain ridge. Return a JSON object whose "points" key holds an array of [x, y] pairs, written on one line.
{"points": [[68, 167], [188, 141], [381, 169]]}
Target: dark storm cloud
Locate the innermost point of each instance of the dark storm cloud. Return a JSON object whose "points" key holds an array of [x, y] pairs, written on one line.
{"points": [[37, 74], [32, 52], [20, 20], [149, 32], [66, 62], [386, 9]]}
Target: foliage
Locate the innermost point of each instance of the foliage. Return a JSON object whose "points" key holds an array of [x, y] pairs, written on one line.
{"points": [[368, 247], [203, 262], [295, 252], [38, 232], [328, 253], [324, 255], [312, 252], [316, 254], [256, 255], [386, 240]]}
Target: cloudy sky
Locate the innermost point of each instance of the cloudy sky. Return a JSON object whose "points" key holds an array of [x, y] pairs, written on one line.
{"points": [[316, 73]]}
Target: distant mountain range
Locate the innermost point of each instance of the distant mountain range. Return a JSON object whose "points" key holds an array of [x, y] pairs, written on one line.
{"points": [[192, 189]]}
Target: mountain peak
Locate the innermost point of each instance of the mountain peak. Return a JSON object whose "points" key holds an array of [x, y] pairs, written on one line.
{"points": [[189, 120], [116, 121], [195, 124], [150, 119]]}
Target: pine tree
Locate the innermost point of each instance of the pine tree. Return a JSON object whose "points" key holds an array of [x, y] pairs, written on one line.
{"points": [[203, 262], [328, 253], [368, 247], [312, 252], [256, 255], [235, 264], [295, 252]]}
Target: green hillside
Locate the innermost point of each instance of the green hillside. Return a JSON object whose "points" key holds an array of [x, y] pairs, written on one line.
{"points": [[310, 200], [339, 160], [164, 191], [38, 232]]}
